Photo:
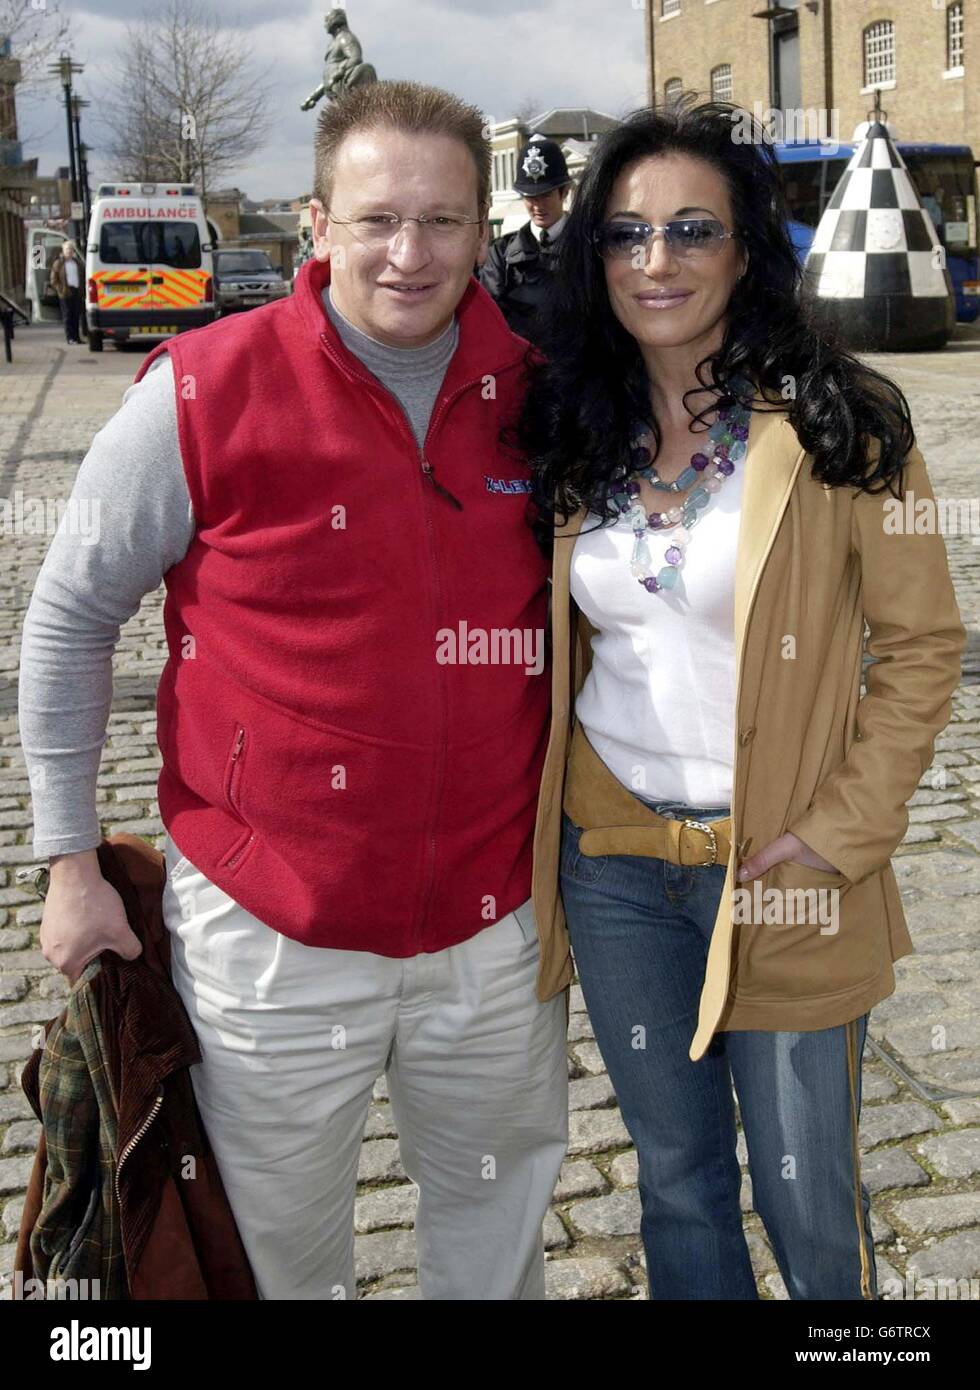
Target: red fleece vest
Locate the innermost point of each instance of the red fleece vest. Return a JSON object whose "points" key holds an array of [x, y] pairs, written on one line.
{"points": [[326, 761]]}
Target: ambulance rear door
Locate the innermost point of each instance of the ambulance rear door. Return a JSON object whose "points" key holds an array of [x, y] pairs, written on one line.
{"points": [[122, 273], [180, 271]]}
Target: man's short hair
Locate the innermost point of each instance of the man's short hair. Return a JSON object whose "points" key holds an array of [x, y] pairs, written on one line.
{"points": [[410, 107]]}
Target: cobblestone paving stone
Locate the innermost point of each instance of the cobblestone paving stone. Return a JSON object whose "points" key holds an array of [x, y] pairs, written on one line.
{"points": [[920, 1127]]}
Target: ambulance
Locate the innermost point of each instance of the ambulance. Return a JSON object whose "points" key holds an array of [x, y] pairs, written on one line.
{"points": [[149, 266]]}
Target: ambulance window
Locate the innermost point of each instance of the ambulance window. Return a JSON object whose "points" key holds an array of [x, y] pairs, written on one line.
{"points": [[120, 244], [176, 245], [150, 243]]}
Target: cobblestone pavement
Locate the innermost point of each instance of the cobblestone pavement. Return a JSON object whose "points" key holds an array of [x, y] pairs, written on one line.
{"points": [[920, 1130]]}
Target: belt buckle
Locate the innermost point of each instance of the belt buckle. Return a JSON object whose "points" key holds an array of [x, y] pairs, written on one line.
{"points": [[703, 826]]}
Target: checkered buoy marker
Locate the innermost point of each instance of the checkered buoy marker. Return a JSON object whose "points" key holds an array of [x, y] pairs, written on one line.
{"points": [[876, 272]]}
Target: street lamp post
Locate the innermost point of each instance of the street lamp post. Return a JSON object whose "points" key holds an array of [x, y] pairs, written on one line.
{"points": [[77, 103], [64, 68], [83, 152]]}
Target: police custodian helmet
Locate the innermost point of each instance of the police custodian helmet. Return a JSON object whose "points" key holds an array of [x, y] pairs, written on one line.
{"points": [[540, 167]]}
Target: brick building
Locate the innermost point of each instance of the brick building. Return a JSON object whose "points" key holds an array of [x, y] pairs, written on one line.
{"points": [[827, 55], [16, 178]]}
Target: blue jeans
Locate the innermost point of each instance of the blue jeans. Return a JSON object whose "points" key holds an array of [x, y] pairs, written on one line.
{"points": [[639, 930]]}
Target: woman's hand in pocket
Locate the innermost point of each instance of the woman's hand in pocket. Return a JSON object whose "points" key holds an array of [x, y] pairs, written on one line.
{"points": [[788, 848]]}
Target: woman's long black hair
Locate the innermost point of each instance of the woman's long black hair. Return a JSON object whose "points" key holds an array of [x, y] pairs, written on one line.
{"points": [[583, 402]]}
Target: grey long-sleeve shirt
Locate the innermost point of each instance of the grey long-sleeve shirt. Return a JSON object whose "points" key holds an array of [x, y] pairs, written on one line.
{"points": [[132, 483]]}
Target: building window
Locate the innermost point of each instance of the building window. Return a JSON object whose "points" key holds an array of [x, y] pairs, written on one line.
{"points": [[954, 35], [879, 53], [669, 7], [672, 90], [721, 83]]}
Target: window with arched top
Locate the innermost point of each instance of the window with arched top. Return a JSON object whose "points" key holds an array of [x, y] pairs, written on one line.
{"points": [[879, 53], [672, 90], [954, 35], [721, 82]]}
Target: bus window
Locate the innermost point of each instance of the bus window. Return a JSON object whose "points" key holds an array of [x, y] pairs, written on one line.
{"points": [[945, 185], [801, 186], [809, 186]]}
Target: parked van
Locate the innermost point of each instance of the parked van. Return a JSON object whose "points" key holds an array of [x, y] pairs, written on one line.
{"points": [[149, 268], [43, 247]]}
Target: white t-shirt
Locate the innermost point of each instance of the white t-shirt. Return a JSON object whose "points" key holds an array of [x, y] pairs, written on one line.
{"points": [[72, 276], [658, 705]]}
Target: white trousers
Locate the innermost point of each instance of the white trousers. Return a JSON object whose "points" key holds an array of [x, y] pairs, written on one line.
{"points": [[293, 1039]]}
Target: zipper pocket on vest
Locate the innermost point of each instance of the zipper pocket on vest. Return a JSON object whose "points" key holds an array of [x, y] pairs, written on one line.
{"points": [[233, 785], [233, 775]]}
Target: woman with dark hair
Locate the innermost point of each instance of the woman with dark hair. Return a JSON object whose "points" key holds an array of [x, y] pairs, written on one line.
{"points": [[715, 476]]}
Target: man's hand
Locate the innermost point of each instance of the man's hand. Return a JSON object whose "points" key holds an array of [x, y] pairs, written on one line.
{"points": [[787, 848], [83, 915]]}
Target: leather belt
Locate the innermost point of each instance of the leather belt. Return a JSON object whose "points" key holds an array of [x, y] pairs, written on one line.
{"points": [[613, 821]]}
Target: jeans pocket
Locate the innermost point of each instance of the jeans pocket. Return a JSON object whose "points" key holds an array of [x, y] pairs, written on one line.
{"points": [[582, 868]]}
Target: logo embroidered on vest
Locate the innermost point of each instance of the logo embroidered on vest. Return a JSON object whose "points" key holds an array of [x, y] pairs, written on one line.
{"points": [[507, 484]]}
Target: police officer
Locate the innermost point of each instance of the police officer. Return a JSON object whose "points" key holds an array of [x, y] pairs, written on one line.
{"points": [[517, 267]]}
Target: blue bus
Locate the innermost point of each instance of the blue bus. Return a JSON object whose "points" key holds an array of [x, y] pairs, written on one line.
{"points": [[945, 179]]}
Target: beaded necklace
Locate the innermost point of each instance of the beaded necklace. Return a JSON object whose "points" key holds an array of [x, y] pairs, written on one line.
{"points": [[712, 465]]}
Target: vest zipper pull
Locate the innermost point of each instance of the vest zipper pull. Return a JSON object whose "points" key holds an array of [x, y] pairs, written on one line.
{"points": [[427, 470]]}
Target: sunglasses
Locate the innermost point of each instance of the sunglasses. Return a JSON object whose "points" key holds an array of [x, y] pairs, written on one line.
{"points": [[686, 236]]}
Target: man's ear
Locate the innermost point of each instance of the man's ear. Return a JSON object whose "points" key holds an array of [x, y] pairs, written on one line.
{"points": [[483, 248], [321, 230]]}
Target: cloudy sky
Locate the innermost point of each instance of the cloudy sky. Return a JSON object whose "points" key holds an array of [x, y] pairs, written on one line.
{"points": [[497, 54]]}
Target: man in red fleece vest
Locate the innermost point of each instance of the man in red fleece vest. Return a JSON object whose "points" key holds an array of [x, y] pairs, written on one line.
{"points": [[352, 721]]}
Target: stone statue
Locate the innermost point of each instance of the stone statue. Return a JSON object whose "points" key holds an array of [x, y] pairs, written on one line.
{"points": [[343, 63]]}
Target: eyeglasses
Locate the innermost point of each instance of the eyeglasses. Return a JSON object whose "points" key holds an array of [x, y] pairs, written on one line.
{"points": [[379, 228], [685, 236]]}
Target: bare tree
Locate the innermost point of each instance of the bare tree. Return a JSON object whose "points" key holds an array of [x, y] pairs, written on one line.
{"points": [[36, 35], [526, 110], [185, 104]]}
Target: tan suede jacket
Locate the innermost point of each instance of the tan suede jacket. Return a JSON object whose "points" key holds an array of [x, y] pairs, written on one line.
{"points": [[811, 755]]}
